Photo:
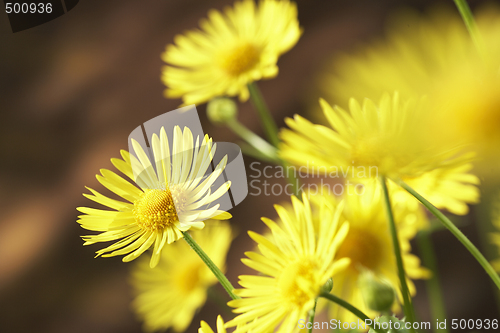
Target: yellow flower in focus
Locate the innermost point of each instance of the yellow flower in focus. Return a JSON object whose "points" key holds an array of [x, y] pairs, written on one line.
{"points": [[368, 244], [169, 295], [161, 204], [204, 328], [295, 262], [435, 56], [395, 139], [232, 49]]}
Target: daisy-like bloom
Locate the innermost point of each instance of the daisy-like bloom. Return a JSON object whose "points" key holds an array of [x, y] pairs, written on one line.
{"points": [[433, 55], [394, 138], [368, 244], [204, 328], [232, 49], [295, 261], [169, 295], [174, 198]]}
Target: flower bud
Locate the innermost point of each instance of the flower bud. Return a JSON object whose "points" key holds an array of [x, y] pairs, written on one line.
{"points": [[389, 324], [221, 110], [378, 294], [328, 286]]}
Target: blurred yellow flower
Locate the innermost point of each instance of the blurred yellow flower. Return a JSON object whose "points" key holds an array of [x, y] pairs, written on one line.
{"points": [[169, 295], [295, 262], [204, 328], [163, 203], [451, 187], [396, 139], [368, 244], [232, 49], [432, 55]]}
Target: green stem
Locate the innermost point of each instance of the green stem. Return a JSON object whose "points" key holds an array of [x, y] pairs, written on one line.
{"points": [[433, 286], [408, 307], [456, 232], [253, 139], [470, 23], [355, 311], [249, 150], [210, 264], [312, 315], [267, 120], [270, 129]]}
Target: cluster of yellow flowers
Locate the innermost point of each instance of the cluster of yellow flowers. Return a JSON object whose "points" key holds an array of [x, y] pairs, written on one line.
{"points": [[414, 108]]}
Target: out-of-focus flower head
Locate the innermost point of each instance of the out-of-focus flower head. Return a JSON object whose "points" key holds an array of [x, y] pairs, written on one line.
{"points": [[368, 244], [396, 138], [432, 55], [232, 49], [169, 295]]}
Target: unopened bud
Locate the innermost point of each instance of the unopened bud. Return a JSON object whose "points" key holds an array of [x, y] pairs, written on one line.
{"points": [[378, 294], [328, 286], [221, 110]]}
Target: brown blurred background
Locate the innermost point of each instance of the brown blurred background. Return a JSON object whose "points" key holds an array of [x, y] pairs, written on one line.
{"points": [[73, 89]]}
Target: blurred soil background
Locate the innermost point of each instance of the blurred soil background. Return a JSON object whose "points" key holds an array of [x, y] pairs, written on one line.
{"points": [[73, 89]]}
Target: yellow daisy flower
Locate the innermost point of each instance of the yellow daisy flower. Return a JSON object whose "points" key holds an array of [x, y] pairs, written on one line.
{"points": [[169, 295], [295, 262], [394, 139], [232, 49], [368, 244], [432, 55], [204, 328], [176, 198]]}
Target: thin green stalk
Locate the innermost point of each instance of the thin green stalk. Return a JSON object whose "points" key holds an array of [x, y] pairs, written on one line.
{"points": [[456, 232], [312, 315], [249, 150], [267, 120], [408, 307], [434, 293], [210, 264], [253, 139], [470, 23], [270, 129], [355, 311]]}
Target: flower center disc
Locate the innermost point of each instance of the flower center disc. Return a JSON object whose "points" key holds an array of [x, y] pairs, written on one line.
{"points": [[240, 59], [362, 248], [155, 210], [188, 278], [297, 283]]}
